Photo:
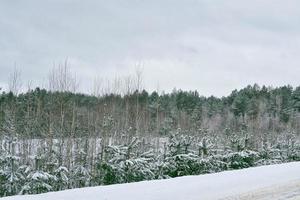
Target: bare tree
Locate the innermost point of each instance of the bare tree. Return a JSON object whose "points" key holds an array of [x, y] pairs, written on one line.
{"points": [[157, 109], [128, 85], [106, 90], [97, 86], [139, 77], [61, 79], [15, 82], [138, 82], [116, 86]]}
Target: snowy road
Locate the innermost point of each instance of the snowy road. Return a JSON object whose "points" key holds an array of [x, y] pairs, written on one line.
{"points": [[275, 182], [288, 191]]}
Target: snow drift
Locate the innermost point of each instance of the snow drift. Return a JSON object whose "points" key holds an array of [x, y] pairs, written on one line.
{"points": [[272, 181]]}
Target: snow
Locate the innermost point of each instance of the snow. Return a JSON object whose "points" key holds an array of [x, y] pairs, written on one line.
{"points": [[266, 182]]}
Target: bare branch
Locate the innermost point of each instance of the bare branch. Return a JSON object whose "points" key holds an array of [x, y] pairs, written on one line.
{"points": [[15, 83]]}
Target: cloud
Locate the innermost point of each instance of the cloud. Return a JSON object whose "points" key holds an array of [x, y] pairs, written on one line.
{"points": [[211, 46]]}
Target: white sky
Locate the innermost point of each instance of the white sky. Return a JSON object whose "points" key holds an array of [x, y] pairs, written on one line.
{"points": [[209, 46]]}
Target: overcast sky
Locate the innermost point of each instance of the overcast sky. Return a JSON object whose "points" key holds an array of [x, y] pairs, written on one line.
{"points": [[212, 46]]}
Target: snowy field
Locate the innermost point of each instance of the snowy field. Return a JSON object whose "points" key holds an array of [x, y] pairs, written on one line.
{"points": [[264, 183]]}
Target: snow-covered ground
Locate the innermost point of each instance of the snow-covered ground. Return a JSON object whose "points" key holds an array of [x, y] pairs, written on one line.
{"points": [[265, 183]]}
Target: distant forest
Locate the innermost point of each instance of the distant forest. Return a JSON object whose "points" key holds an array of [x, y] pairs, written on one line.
{"points": [[41, 113]]}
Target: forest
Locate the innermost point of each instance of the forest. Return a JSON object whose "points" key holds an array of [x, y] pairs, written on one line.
{"points": [[56, 138]]}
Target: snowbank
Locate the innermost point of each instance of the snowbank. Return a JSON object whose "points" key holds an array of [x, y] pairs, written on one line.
{"points": [[231, 184]]}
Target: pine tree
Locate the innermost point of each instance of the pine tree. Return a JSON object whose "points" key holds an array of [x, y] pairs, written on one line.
{"points": [[11, 178], [38, 181]]}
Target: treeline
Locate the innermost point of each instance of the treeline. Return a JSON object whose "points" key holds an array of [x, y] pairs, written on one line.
{"points": [[46, 114]]}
